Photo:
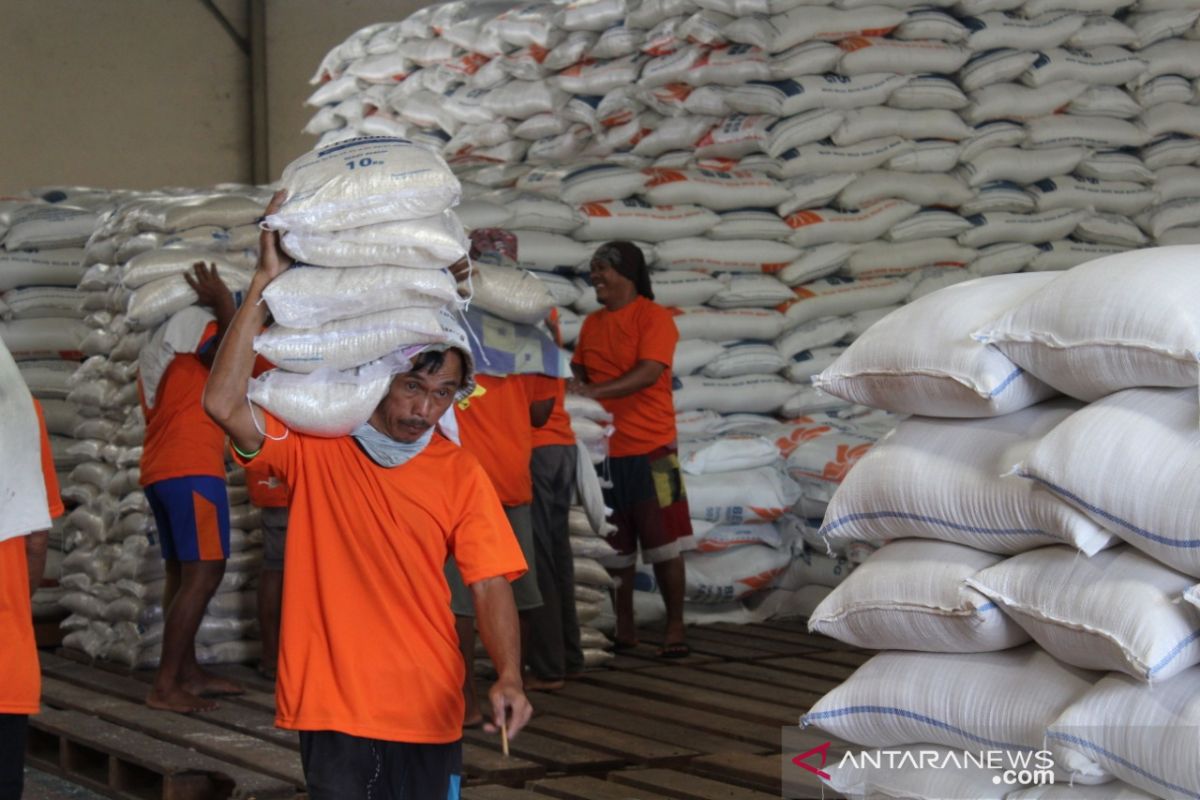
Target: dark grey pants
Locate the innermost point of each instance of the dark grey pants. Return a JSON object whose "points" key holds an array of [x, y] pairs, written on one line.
{"points": [[554, 648], [338, 766]]}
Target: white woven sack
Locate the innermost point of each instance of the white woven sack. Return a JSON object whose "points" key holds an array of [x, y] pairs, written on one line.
{"points": [[879, 259], [328, 404], [825, 158], [633, 218], [154, 265], [995, 701], [813, 334], [720, 191], [1147, 736], [348, 343], [759, 394], [869, 223], [940, 479], [911, 595], [1192, 595], [745, 358], [40, 268], [838, 296], [941, 190], [762, 494], [306, 297], [1116, 611], [1150, 438], [921, 359], [808, 363], [1003, 226], [157, 300], [806, 23], [700, 322], [362, 182], [1130, 320], [431, 242], [39, 226], [511, 294], [691, 355], [733, 573], [1107, 65], [1017, 102], [727, 453], [1020, 165], [547, 251], [712, 537], [857, 776]]}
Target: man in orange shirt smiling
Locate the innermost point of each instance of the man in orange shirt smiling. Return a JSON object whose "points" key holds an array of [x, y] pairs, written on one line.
{"points": [[623, 359], [369, 667]]}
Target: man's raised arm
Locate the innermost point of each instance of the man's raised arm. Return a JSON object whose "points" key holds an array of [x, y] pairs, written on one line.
{"points": [[225, 392]]}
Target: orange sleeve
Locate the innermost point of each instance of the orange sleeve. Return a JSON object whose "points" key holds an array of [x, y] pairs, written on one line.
{"points": [[277, 452], [580, 341], [482, 541], [53, 495], [657, 337]]}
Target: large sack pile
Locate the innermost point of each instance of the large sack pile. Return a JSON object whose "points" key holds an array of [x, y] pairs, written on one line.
{"points": [[791, 170], [140, 311], [1036, 586]]}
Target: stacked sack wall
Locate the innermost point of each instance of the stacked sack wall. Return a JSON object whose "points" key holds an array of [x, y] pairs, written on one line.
{"points": [[113, 573]]}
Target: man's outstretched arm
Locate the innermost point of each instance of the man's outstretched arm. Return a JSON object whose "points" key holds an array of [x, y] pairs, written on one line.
{"points": [[225, 392], [500, 629]]}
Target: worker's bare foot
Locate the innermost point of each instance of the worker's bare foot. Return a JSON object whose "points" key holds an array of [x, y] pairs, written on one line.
{"points": [[208, 684], [534, 683], [177, 699]]}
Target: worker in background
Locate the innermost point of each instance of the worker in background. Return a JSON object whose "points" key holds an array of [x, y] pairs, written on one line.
{"points": [[369, 667], [183, 474], [623, 359], [555, 652], [22, 561], [495, 424]]}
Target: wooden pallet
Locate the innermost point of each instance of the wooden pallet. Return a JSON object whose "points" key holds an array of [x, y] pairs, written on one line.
{"points": [[705, 727]]}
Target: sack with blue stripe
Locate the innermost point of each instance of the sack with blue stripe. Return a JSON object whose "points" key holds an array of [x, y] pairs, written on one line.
{"points": [[922, 359]]}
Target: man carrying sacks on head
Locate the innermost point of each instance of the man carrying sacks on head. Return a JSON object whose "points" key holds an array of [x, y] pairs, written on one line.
{"points": [[369, 669]]}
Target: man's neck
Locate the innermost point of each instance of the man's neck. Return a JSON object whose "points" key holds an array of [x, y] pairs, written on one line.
{"points": [[616, 304]]}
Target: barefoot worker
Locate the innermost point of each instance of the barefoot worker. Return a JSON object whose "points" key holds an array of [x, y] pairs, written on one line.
{"points": [[183, 474], [623, 359], [369, 668]]}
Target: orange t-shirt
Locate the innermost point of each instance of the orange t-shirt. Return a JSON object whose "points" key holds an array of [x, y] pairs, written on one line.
{"points": [[610, 344], [181, 439], [21, 689], [557, 429], [367, 639], [494, 427]]}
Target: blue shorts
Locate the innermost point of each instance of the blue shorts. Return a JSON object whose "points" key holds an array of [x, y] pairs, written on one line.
{"points": [[192, 515]]}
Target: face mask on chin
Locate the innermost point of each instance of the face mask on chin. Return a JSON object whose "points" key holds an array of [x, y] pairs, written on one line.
{"points": [[386, 451]]}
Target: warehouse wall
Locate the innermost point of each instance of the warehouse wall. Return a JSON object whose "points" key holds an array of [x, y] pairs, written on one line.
{"points": [[145, 93], [299, 34], [124, 93]]}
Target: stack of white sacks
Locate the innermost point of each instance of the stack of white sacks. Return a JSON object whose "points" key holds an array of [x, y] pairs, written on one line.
{"points": [[1010, 514], [41, 322], [792, 171], [133, 287]]}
